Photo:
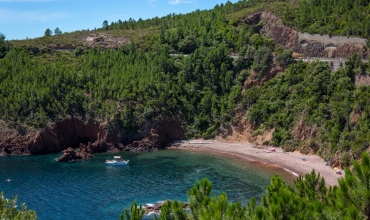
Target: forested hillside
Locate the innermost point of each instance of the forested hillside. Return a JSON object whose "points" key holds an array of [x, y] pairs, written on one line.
{"points": [[127, 87], [307, 106], [341, 17], [328, 103]]}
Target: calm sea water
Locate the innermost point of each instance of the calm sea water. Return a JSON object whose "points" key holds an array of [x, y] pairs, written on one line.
{"points": [[91, 190]]}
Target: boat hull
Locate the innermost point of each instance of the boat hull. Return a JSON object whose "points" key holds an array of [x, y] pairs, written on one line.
{"points": [[116, 163]]}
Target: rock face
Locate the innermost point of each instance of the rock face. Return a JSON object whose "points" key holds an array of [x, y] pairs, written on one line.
{"points": [[362, 80], [311, 45], [69, 154], [156, 208], [158, 135], [90, 136], [105, 41], [85, 152]]}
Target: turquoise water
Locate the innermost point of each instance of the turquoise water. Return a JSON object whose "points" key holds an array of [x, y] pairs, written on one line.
{"points": [[91, 190]]}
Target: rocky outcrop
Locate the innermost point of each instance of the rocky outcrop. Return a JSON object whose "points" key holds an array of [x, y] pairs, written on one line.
{"points": [[84, 152], [346, 49], [311, 45], [68, 155], [90, 136], [100, 39], [105, 41], [156, 208], [158, 134], [305, 135], [55, 138], [302, 132], [362, 80], [272, 26]]}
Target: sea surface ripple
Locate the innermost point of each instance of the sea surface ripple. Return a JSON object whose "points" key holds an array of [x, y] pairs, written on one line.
{"points": [[91, 190]]}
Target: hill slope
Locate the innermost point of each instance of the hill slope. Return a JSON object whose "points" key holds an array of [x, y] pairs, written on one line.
{"points": [[139, 96]]}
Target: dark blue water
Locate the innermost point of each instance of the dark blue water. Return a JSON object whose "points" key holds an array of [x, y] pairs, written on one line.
{"points": [[91, 190]]}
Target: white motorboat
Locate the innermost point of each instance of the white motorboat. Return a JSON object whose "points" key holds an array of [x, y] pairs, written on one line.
{"points": [[117, 161]]}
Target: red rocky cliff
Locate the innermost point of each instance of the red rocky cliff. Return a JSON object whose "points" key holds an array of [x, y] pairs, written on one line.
{"points": [[90, 136], [311, 45]]}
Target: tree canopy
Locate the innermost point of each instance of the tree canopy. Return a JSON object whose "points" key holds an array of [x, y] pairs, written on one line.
{"points": [[4, 46], [8, 210], [206, 88], [48, 32], [57, 31]]}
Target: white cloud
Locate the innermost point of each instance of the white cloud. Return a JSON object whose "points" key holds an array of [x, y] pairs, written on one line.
{"points": [[175, 2], [12, 16]]}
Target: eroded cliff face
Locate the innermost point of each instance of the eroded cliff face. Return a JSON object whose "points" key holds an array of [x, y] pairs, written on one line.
{"points": [[67, 133], [90, 136], [311, 45], [105, 41], [243, 130]]}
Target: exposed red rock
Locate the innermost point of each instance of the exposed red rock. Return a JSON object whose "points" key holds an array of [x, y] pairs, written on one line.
{"points": [[68, 155], [159, 133], [90, 136], [84, 152], [274, 27], [105, 40], [302, 132], [269, 25]]}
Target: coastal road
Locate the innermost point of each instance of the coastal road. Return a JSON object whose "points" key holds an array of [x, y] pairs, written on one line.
{"points": [[335, 63]]}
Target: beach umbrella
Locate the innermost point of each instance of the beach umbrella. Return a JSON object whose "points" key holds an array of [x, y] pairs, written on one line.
{"points": [[336, 168]]}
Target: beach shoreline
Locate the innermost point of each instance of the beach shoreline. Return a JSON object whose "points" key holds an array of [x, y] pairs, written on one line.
{"points": [[289, 161]]}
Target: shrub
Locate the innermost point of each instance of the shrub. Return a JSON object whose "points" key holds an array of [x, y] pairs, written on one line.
{"points": [[284, 58], [8, 209], [346, 159], [261, 60]]}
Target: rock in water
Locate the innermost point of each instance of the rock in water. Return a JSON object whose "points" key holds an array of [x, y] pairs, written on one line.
{"points": [[68, 155]]}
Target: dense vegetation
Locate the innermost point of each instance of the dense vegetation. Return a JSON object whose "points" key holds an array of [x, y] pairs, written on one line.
{"points": [[4, 46], [131, 85], [179, 32], [308, 198], [125, 87], [344, 17], [340, 17], [8, 210], [141, 81], [326, 101]]}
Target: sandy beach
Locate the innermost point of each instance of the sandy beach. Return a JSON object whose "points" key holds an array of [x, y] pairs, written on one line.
{"points": [[291, 161]]}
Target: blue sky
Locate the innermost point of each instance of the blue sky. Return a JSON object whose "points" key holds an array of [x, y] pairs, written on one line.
{"points": [[20, 19]]}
